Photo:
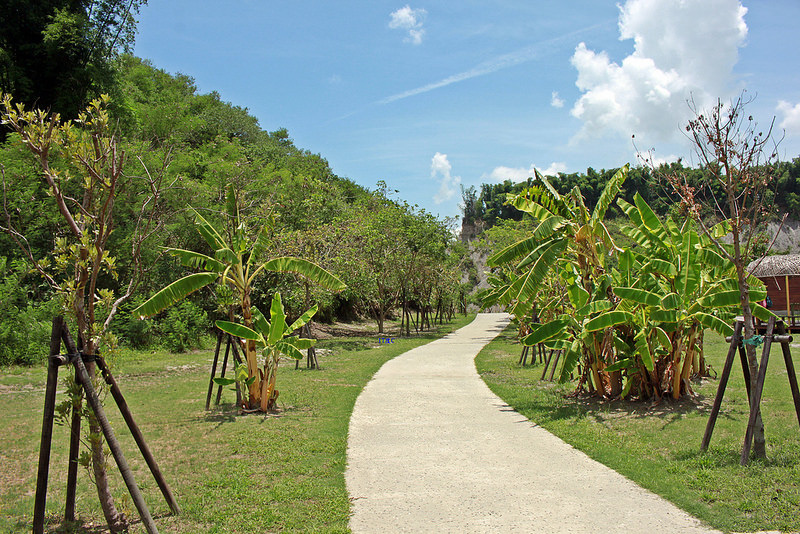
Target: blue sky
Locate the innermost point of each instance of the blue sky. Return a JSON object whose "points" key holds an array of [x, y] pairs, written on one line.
{"points": [[430, 95]]}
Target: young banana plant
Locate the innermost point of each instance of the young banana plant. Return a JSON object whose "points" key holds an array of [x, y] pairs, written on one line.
{"points": [[274, 338], [236, 263]]}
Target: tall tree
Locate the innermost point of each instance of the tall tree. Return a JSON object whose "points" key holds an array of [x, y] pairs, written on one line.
{"points": [[740, 160], [58, 54], [82, 166]]}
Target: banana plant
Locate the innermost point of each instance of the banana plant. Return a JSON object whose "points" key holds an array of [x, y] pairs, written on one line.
{"points": [[274, 338], [575, 240], [236, 264], [671, 287]]}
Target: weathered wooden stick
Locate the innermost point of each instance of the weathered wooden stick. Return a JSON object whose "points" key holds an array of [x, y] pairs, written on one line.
{"points": [[555, 364], [213, 370], [47, 427], [137, 435], [546, 363], [108, 432], [755, 396], [224, 367], [72, 467], [735, 340]]}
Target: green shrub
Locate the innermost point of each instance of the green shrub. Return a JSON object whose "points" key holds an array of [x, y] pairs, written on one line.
{"points": [[184, 327], [24, 327], [132, 331]]}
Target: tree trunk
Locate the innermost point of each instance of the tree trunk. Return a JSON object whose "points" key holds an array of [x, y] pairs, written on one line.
{"points": [[116, 521], [759, 440], [251, 356]]}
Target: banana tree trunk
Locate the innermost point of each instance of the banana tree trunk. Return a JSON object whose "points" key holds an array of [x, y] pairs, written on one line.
{"points": [[251, 356]]}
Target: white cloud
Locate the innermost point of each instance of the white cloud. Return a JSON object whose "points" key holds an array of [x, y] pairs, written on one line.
{"points": [[520, 174], [791, 117], [440, 166], [556, 101], [682, 50], [409, 19]]}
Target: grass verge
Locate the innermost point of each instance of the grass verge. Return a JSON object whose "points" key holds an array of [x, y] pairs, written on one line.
{"points": [[229, 473], [658, 446]]}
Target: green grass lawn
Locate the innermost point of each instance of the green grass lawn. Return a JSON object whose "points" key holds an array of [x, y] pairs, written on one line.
{"points": [[659, 446], [229, 473]]}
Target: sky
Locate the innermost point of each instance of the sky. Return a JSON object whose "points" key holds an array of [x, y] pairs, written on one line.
{"points": [[432, 95]]}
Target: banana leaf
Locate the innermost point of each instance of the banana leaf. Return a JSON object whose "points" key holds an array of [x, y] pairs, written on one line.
{"points": [[173, 293], [238, 330], [307, 269], [608, 319], [277, 317], [546, 331], [639, 296]]}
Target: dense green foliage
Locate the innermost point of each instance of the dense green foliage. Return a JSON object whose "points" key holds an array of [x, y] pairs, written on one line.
{"points": [[58, 54], [196, 147], [487, 206]]}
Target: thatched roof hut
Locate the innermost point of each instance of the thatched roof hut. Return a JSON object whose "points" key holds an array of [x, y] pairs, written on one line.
{"points": [[781, 275], [787, 264]]}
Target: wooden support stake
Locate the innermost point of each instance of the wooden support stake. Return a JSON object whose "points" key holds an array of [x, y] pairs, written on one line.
{"points": [[755, 396], [735, 341], [47, 427], [137, 435], [213, 369], [787, 359], [72, 467], [108, 432], [555, 364], [224, 367], [547, 363]]}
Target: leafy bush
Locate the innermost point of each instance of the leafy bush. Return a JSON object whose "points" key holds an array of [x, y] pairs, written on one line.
{"points": [[132, 331], [183, 327], [24, 328]]}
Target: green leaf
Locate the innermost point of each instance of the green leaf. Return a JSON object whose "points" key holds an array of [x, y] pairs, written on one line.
{"points": [[593, 307], [643, 348], [660, 266], [224, 381], [651, 221], [671, 301], [664, 316], [189, 258], [639, 296], [715, 323], [307, 269], [209, 233], [546, 331], [277, 320], [625, 363], [721, 299], [238, 330], [303, 319], [289, 350], [173, 293], [260, 322], [608, 319], [572, 356], [760, 312], [610, 192]]}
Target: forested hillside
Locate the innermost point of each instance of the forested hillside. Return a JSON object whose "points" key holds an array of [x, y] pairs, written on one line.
{"points": [[197, 147]]}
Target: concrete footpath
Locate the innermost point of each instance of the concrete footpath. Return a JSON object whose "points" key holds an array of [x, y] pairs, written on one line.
{"points": [[432, 449]]}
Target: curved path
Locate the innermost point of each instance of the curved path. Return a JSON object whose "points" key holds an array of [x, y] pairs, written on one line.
{"points": [[432, 449]]}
